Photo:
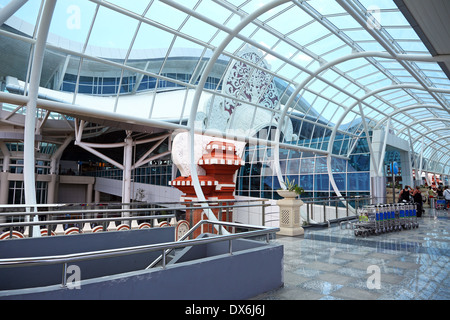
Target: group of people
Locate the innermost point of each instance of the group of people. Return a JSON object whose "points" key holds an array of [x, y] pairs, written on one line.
{"points": [[407, 192]]}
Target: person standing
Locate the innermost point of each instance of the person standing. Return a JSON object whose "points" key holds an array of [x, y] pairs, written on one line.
{"points": [[431, 194], [418, 200], [405, 194], [446, 197]]}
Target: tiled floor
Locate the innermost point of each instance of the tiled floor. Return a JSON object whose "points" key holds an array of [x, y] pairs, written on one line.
{"points": [[333, 264]]}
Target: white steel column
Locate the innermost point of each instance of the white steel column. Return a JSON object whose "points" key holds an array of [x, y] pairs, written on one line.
{"points": [[30, 120], [127, 164], [54, 174]]}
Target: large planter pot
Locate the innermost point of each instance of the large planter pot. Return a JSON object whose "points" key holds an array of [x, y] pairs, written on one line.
{"points": [[287, 194]]}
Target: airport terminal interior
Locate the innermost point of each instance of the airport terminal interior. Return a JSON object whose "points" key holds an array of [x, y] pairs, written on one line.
{"points": [[303, 142]]}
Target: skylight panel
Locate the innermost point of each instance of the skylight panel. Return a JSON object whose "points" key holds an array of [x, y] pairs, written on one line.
{"points": [[265, 38], [326, 44], [213, 11], [117, 36], [352, 64], [166, 15], [363, 72], [289, 20], [335, 54], [371, 46], [309, 33], [290, 72], [406, 33], [384, 4], [133, 6], [344, 22], [160, 40], [202, 31], [413, 46], [327, 7], [317, 85], [274, 11]]}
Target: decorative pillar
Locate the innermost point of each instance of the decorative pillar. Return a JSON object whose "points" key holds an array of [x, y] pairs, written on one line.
{"points": [[290, 214], [220, 164]]}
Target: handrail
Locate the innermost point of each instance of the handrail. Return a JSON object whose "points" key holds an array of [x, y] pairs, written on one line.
{"points": [[109, 211], [181, 208], [101, 254], [115, 204], [184, 237]]}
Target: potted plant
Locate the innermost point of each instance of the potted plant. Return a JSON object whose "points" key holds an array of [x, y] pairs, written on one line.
{"points": [[292, 189]]}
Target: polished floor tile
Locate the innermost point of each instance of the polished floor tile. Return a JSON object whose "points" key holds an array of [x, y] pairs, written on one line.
{"points": [[334, 264]]}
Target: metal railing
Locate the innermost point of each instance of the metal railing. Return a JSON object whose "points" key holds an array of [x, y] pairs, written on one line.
{"points": [[75, 214], [61, 214], [322, 210], [333, 208], [163, 247]]}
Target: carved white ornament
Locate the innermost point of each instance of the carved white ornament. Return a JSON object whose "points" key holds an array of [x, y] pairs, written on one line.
{"points": [[256, 86]]}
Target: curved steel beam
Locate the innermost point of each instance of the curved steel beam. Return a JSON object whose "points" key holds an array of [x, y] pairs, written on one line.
{"points": [[30, 118], [423, 120], [401, 110], [12, 7], [432, 131], [199, 90]]}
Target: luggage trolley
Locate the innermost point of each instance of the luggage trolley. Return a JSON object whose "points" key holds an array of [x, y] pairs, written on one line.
{"points": [[408, 215], [440, 203], [402, 215], [384, 221], [397, 222], [390, 209], [378, 219], [368, 221], [414, 220]]}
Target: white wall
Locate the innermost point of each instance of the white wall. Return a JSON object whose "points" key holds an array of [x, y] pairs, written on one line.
{"points": [[139, 191]]}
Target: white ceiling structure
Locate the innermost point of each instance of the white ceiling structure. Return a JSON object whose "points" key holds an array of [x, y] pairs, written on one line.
{"points": [[383, 61]]}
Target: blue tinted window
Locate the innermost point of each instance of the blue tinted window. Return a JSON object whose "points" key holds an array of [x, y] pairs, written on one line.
{"points": [[306, 182], [359, 162], [322, 182], [358, 181], [340, 181]]}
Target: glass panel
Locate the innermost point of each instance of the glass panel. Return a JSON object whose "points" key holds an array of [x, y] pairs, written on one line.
{"points": [[358, 181], [321, 182], [166, 15], [117, 36]]}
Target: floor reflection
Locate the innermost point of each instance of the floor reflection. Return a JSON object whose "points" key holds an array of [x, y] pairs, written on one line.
{"points": [[333, 264]]}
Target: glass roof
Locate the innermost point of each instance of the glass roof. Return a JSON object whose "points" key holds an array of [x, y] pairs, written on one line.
{"points": [[124, 39]]}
